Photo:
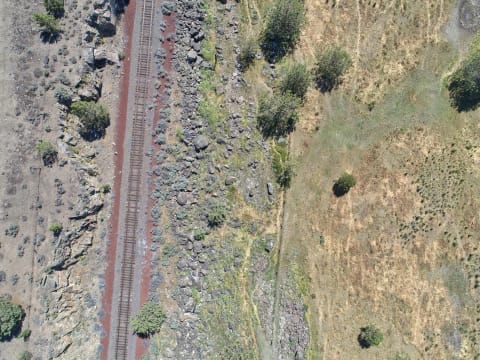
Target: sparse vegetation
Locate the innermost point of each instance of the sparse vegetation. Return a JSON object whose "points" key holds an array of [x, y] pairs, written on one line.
{"points": [[56, 228], [106, 188], [296, 80], [344, 184], [12, 230], [282, 167], [64, 96], [54, 7], [199, 234], [25, 334], [216, 214], [369, 336], [47, 151], [330, 67], [48, 24], [277, 114], [464, 83], [149, 320], [11, 316], [94, 118], [248, 50], [283, 26], [25, 355]]}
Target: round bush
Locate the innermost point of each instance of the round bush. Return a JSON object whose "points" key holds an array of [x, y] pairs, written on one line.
{"points": [[369, 336], [344, 184], [149, 320], [11, 316], [94, 118]]}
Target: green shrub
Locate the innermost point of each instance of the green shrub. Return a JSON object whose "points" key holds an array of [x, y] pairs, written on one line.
{"points": [[149, 320], [331, 65], [199, 234], [47, 151], [283, 27], [11, 316], [464, 83], [344, 184], [25, 355], [369, 336], [55, 7], [94, 118], [296, 80], [55, 228], [106, 188], [48, 24], [277, 114], [248, 51], [282, 168], [216, 215]]}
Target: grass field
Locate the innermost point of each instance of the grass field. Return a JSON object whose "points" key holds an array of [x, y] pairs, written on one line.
{"points": [[401, 249]]}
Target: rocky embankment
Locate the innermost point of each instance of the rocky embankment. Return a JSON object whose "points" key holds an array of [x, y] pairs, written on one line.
{"points": [[213, 163]]}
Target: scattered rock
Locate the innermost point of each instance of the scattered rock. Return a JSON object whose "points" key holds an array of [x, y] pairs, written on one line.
{"points": [[201, 142], [192, 56], [230, 180]]}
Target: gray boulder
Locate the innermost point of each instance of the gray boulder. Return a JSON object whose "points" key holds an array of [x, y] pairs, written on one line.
{"points": [[201, 142]]}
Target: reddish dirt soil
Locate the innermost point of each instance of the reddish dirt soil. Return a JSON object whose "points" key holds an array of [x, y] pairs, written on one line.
{"points": [[141, 349], [128, 21]]}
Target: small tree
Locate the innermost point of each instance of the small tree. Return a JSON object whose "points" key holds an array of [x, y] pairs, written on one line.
{"points": [[369, 336], [331, 65], [296, 80], [277, 114], [94, 118], [55, 7], [283, 26], [149, 320], [25, 334], [49, 26], [248, 51], [344, 184], [47, 151], [464, 83], [56, 228], [11, 316]]}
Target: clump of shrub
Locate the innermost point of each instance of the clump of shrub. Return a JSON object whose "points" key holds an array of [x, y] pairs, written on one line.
{"points": [[464, 83], [149, 320], [47, 151], [216, 214], [330, 67], [248, 51], [369, 336], [64, 96], [344, 184], [199, 234], [283, 27], [277, 114], [106, 188], [55, 7], [94, 118], [296, 80], [12, 230], [11, 316], [56, 228], [25, 355], [49, 25], [282, 167]]}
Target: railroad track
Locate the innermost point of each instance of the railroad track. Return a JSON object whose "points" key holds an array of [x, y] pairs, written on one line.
{"points": [[135, 179]]}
